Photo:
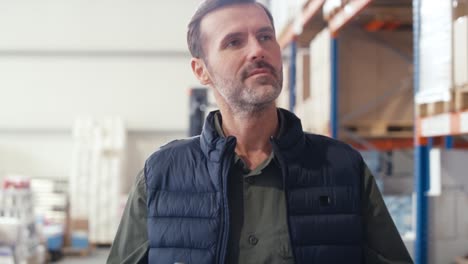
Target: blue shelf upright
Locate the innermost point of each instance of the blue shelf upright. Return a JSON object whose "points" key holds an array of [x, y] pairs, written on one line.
{"points": [[421, 157]]}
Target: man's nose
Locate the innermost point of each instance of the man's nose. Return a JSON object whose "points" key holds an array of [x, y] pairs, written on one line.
{"points": [[256, 50]]}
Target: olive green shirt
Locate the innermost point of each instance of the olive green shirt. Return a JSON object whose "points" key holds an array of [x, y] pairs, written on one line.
{"points": [[257, 207], [258, 229]]}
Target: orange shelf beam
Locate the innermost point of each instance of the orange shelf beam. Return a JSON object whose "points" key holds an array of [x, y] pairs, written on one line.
{"points": [[345, 15], [404, 143], [386, 144], [309, 11]]}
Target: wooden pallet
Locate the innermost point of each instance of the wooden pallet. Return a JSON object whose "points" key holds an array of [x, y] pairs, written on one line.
{"points": [[461, 98], [101, 245], [79, 252], [459, 102], [435, 108], [381, 129]]}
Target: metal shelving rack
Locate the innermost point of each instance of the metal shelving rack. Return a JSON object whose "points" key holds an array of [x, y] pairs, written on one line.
{"points": [[312, 23], [438, 129], [425, 129]]}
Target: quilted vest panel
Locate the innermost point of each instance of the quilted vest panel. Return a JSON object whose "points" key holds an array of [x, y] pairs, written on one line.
{"points": [[183, 205], [324, 208]]}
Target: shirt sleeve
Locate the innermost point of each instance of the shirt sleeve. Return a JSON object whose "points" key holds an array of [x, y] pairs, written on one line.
{"points": [[383, 243], [131, 241]]}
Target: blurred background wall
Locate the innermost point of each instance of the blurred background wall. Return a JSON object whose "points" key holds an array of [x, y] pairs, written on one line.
{"points": [[63, 60]]}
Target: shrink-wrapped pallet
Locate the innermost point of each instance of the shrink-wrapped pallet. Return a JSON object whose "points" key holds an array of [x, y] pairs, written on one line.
{"points": [[283, 99], [17, 220], [80, 174], [317, 106], [460, 42], [285, 12], [435, 52], [106, 182], [98, 164]]}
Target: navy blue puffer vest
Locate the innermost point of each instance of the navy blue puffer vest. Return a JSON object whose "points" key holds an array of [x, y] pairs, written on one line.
{"points": [[188, 217]]}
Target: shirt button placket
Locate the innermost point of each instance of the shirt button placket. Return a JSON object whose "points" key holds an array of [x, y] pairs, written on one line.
{"points": [[250, 180], [253, 240]]}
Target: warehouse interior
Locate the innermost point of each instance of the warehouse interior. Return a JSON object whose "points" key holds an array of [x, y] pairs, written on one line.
{"points": [[90, 89]]}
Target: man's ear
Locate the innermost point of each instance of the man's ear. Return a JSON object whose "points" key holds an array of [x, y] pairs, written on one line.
{"points": [[200, 71]]}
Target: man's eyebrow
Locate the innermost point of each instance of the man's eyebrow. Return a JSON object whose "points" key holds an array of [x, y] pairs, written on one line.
{"points": [[266, 30], [231, 36]]}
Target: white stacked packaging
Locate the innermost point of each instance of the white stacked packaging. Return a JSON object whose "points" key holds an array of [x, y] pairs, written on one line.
{"points": [[98, 165], [330, 7], [286, 12], [17, 222], [80, 169], [317, 107], [460, 52], [435, 52], [302, 84], [106, 180], [283, 99], [50, 200]]}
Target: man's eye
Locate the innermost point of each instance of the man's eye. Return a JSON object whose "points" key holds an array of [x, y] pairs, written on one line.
{"points": [[265, 38], [233, 43]]}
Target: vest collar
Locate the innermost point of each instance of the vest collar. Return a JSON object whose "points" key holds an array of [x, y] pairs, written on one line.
{"points": [[290, 142], [212, 143]]}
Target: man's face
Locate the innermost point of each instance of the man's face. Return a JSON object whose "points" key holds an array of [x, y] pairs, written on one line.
{"points": [[242, 57]]}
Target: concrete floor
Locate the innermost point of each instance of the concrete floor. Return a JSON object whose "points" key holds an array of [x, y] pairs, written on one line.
{"points": [[98, 256]]}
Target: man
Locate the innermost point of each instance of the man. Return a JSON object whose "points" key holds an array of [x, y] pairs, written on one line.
{"points": [[253, 187]]}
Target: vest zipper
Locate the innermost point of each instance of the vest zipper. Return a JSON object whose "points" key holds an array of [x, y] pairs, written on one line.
{"points": [[284, 170], [226, 166]]}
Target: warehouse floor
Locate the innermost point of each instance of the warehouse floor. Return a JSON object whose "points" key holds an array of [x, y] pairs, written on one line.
{"points": [[99, 256]]}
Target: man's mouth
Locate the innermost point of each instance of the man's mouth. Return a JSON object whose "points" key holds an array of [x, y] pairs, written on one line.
{"points": [[259, 71], [259, 68]]}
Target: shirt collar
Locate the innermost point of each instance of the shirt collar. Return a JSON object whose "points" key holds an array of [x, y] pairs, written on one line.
{"points": [[237, 159], [219, 127]]}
